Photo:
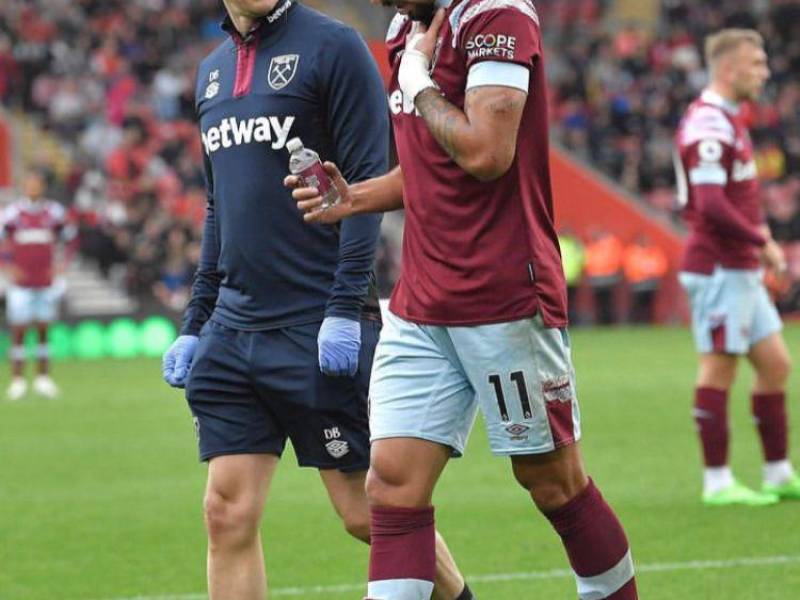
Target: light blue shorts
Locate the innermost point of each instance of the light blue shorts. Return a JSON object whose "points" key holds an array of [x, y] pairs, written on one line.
{"points": [[428, 381], [731, 310], [32, 305]]}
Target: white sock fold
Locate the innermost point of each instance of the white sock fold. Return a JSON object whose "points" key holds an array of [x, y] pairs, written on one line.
{"points": [[716, 479], [778, 472]]}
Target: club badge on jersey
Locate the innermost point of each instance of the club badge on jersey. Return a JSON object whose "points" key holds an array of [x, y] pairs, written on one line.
{"points": [[282, 70]]}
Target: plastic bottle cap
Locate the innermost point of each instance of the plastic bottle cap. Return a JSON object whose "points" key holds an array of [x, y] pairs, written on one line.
{"points": [[293, 145]]}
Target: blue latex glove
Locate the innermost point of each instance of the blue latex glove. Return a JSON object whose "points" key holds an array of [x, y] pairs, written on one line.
{"points": [[177, 360], [339, 342]]}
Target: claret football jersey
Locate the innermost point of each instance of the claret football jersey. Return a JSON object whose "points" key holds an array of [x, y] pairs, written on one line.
{"points": [[478, 252], [33, 230], [714, 149]]}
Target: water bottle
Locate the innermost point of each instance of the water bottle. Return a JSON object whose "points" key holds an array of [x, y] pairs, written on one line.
{"points": [[306, 165]]}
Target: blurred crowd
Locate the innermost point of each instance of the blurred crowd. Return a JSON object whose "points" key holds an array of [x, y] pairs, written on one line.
{"points": [[113, 82], [609, 280], [619, 93]]}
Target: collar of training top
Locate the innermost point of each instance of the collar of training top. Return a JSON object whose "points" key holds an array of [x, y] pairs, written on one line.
{"points": [[261, 25]]}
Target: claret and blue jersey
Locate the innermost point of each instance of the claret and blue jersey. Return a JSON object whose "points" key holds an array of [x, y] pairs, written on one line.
{"points": [[296, 74]]}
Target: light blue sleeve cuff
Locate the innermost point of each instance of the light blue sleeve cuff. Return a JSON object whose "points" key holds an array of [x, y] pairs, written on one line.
{"points": [[500, 74]]}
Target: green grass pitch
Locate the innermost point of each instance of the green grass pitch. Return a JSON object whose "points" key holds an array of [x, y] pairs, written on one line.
{"points": [[100, 493]]}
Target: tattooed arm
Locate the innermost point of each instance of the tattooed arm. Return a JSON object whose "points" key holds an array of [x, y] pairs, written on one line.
{"points": [[481, 139]]}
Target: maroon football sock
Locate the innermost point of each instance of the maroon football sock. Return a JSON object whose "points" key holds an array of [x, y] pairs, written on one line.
{"points": [[402, 550], [711, 417], [769, 412], [596, 546]]}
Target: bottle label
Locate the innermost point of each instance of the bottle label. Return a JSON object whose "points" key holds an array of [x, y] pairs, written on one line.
{"points": [[315, 176]]}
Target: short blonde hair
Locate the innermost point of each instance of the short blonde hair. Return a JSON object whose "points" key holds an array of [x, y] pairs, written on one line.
{"points": [[728, 40]]}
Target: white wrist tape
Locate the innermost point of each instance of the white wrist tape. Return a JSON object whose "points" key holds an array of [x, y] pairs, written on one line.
{"points": [[414, 75]]}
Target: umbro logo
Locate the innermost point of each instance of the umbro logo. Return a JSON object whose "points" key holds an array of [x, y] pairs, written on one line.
{"points": [[337, 448], [518, 431], [213, 84]]}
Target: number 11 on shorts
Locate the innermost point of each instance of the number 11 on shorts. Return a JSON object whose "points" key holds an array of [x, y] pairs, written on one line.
{"points": [[517, 377]]}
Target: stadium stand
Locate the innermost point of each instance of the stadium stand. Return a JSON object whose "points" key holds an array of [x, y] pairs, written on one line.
{"points": [[99, 94], [620, 83]]}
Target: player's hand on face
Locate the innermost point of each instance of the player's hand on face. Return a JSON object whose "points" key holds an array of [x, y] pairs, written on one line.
{"points": [[424, 38], [309, 201], [339, 343], [177, 360]]}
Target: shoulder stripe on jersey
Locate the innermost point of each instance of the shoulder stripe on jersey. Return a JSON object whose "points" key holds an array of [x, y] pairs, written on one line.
{"points": [[708, 174], [526, 7], [708, 122], [500, 74], [693, 136], [11, 212], [395, 26]]}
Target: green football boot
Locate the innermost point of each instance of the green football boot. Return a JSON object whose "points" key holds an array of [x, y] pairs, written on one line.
{"points": [[738, 494], [789, 490]]}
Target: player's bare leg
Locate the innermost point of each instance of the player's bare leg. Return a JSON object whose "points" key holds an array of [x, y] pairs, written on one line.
{"points": [[19, 386], [772, 364], [43, 384], [592, 535], [237, 489], [403, 473], [348, 496], [715, 377]]}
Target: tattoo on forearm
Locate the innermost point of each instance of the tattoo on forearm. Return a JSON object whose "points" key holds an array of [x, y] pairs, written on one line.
{"points": [[443, 119], [453, 129]]}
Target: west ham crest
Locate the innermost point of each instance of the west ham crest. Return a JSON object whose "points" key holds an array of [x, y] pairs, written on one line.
{"points": [[282, 70]]}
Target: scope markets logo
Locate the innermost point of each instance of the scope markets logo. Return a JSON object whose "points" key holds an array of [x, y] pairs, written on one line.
{"points": [[492, 45]]}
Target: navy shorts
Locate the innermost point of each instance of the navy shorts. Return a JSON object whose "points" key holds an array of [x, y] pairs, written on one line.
{"points": [[251, 390]]}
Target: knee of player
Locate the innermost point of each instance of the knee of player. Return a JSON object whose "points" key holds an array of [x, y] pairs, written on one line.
{"points": [[774, 373], [550, 492], [385, 487], [551, 495], [357, 525], [783, 367], [230, 521]]}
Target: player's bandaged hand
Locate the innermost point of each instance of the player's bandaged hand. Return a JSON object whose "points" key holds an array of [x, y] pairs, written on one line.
{"points": [[177, 361], [339, 342], [415, 66]]}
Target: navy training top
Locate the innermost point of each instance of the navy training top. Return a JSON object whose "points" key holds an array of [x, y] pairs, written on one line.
{"points": [[298, 73]]}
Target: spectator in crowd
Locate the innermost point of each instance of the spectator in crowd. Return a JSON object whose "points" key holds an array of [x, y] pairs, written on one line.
{"points": [[645, 265], [176, 270], [603, 273]]}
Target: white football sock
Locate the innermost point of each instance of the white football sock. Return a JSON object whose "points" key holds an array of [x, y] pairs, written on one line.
{"points": [[778, 472], [717, 478]]}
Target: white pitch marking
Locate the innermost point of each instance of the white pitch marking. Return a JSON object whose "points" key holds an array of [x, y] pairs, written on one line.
{"points": [[695, 565]]}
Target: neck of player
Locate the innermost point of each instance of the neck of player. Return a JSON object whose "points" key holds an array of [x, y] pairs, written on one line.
{"points": [[724, 91], [244, 20]]}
